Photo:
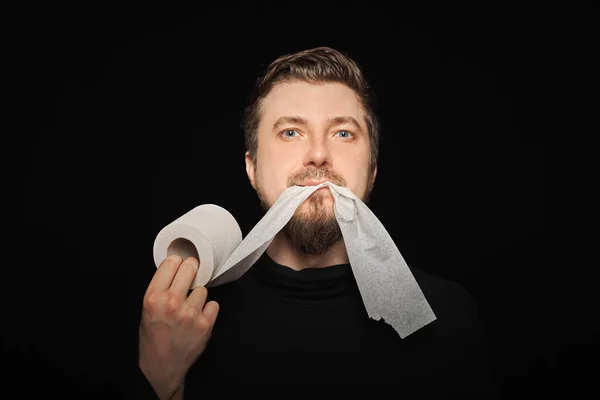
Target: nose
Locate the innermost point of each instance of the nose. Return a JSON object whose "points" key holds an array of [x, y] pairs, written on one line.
{"points": [[317, 153]]}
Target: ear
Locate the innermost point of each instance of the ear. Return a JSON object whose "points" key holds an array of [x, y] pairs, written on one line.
{"points": [[250, 168], [373, 176]]}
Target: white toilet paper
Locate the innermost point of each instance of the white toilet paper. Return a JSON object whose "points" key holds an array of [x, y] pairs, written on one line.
{"points": [[387, 286], [207, 232]]}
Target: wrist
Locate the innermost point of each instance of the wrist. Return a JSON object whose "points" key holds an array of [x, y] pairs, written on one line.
{"points": [[166, 384]]}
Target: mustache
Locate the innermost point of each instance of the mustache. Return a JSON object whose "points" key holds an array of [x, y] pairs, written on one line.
{"points": [[316, 174]]}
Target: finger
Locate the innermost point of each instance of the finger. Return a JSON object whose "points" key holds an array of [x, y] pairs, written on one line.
{"points": [[184, 277], [197, 298], [211, 310], [166, 271]]}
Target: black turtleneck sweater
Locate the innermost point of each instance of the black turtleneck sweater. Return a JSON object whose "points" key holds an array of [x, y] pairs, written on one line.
{"points": [[282, 333]]}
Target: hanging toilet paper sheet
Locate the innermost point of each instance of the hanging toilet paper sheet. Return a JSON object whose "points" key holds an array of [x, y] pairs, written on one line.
{"points": [[387, 286]]}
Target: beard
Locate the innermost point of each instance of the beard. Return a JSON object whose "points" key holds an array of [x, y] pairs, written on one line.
{"points": [[313, 229]]}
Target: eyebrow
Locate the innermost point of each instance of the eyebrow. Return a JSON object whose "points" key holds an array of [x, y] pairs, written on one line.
{"points": [[297, 120], [345, 120], [293, 120]]}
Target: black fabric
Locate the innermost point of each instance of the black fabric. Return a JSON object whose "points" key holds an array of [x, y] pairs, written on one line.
{"points": [[292, 334], [139, 387]]}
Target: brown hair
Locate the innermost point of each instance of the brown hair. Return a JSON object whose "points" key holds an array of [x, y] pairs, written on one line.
{"points": [[317, 65]]}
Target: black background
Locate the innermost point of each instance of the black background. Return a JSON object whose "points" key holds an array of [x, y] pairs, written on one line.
{"points": [[133, 119]]}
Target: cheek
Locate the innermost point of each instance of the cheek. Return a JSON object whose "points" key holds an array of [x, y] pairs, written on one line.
{"points": [[354, 167], [272, 176], [360, 181]]}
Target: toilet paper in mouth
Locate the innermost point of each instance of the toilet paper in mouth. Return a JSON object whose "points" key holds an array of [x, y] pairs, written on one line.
{"points": [[386, 284]]}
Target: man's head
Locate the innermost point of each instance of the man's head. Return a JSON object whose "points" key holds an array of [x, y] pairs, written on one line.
{"points": [[311, 119]]}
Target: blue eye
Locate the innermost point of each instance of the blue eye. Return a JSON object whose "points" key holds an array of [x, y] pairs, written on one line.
{"points": [[289, 133], [345, 134]]}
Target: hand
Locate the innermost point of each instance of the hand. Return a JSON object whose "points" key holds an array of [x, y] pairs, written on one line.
{"points": [[175, 328]]}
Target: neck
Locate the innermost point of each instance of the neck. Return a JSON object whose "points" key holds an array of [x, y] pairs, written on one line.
{"points": [[283, 253]]}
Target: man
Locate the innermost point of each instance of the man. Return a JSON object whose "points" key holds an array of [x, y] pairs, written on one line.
{"points": [[294, 324]]}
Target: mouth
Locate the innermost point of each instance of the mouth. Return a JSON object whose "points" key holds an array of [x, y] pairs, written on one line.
{"points": [[311, 183]]}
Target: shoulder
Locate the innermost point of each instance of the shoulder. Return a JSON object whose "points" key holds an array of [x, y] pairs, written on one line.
{"points": [[457, 337], [447, 298]]}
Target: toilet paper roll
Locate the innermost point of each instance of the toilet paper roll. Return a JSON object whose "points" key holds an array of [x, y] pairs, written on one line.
{"points": [[208, 232]]}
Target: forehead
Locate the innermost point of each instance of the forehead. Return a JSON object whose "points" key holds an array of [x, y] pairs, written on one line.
{"points": [[315, 102]]}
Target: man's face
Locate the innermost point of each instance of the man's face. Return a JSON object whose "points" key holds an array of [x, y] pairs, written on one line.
{"points": [[309, 134]]}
